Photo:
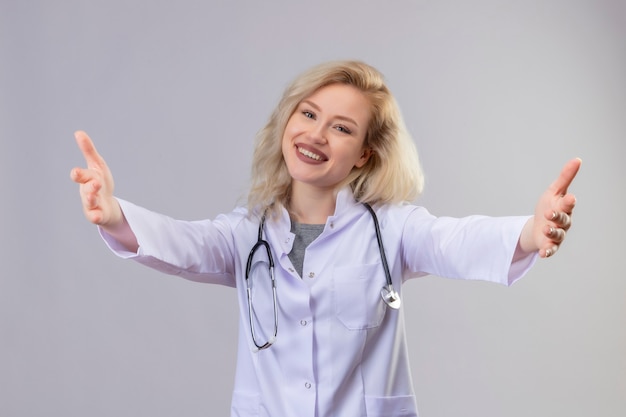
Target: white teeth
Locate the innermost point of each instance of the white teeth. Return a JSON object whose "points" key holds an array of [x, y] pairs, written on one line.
{"points": [[309, 154]]}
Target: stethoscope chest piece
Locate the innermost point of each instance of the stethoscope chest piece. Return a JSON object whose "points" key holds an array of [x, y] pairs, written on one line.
{"points": [[390, 297]]}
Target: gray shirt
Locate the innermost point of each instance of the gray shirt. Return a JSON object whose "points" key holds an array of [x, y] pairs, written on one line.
{"points": [[305, 234]]}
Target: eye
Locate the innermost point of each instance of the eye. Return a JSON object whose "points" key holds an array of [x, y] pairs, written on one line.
{"points": [[343, 129], [308, 114]]}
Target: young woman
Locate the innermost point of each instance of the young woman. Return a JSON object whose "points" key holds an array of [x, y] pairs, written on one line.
{"points": [[329, 218]]}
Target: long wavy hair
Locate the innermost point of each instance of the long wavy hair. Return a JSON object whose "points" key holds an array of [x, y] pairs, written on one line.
{"points": [[393, 173]]}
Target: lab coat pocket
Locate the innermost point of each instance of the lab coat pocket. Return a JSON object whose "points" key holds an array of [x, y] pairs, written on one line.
{"points": [[245, 404], [400, 406], [356, 296]]}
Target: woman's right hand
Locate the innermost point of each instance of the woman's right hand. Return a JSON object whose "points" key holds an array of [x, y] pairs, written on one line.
{"points": [[96, 186], [96, 194]]}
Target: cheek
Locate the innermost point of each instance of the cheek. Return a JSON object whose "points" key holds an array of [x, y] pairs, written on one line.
{"points": [[290, 132], [285, 144], [290, 129], [287, 150]]}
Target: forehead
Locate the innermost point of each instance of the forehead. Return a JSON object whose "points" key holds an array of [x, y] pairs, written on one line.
{"points": [[342, 100]]}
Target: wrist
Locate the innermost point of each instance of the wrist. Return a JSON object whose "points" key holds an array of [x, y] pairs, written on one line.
{"points": [[526, 241]]}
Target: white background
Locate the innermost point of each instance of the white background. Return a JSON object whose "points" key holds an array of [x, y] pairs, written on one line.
{"points": [[498, 95]]}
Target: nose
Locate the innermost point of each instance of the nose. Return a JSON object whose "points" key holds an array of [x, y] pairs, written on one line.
{"points": [[317, 133]]}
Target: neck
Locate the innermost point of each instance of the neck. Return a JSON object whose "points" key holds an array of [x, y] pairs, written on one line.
{"points": [[311, 205]]}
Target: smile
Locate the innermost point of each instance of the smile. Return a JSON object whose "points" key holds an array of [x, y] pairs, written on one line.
{"points": [[309, 154]]}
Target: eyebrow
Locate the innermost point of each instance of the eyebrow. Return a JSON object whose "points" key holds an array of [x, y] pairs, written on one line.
{"points": [[316, 107]]}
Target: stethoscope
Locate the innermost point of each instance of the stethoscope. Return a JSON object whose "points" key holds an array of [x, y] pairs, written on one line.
{"points": [[387, 293]]}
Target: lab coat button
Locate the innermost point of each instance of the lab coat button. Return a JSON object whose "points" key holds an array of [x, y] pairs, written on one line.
{"points": [[290, 269], [303, 322], [311, 274], [307, 385], [332, 225]]}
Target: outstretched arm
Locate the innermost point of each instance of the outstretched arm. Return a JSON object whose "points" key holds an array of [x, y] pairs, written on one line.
{"points": [[546, 230], [96, 193]]}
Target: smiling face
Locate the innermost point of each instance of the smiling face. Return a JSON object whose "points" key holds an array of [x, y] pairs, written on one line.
{"points": [[324, 137]]}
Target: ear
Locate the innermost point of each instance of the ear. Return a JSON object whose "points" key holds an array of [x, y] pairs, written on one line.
{"points": [[365, 156]]}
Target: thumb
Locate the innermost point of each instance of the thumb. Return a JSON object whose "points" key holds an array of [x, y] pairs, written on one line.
{"points": [[86, 146], [565, 178]]}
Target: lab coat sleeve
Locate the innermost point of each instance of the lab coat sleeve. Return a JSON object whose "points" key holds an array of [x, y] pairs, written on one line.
{"points": [[196, 250], [473, 248]]}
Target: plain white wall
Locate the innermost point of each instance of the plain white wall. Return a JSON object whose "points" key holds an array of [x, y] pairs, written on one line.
{"points": [[498, 95]]}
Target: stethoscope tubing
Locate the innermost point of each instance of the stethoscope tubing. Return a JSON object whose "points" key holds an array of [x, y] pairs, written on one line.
{"points": [[381, 247], [387, 293]]}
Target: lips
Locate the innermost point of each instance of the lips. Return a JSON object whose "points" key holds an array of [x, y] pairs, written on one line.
{"points": [[308, 154]]}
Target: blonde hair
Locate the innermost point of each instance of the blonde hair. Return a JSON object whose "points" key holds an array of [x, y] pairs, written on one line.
{"points": [[393, 172]]}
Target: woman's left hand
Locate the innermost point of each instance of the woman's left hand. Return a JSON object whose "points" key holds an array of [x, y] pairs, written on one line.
{"points": [[553, 215]]}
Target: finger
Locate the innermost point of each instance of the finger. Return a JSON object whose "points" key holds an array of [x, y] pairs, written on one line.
{"points": [[95, 216], [567, 175], [88, 149], [548, 252], [82, 176], [91, 200], [555, 234], [90, 195], [567, 203], [559, 219]]}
